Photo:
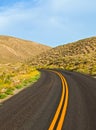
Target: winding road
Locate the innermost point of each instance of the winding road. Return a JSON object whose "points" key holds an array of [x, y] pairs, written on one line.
{"points": [[60, 100]]}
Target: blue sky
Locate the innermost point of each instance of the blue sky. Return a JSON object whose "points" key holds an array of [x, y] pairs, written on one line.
{"points": [[51, 22]]}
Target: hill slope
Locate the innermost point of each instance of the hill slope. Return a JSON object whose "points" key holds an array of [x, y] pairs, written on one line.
{"points": [[79, 56], [14, 49]]}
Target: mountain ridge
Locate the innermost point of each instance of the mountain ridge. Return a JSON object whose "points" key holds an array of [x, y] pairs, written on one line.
{"points": [[15, 49], [76, 56]]}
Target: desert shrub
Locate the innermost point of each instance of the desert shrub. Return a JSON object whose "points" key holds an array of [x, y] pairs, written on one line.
{"points": [[3, 95], [9, 91], [18, 86]]}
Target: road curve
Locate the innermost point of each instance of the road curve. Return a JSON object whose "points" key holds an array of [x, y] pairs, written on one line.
{"points": [[35, 107], [60, 113]]}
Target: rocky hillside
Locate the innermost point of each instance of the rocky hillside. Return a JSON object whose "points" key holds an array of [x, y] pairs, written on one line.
{"points": [[77, 56], [18, 50]]}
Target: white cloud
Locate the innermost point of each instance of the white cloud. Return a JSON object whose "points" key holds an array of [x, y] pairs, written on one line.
{"points": [[46, 18], [72, 5], [33, 16]]}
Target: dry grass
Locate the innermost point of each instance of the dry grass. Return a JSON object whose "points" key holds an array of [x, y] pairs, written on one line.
{"points": [[17, 50]]}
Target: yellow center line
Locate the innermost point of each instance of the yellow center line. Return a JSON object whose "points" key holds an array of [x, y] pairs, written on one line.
{"points": [[60, 123], [59, 106]]}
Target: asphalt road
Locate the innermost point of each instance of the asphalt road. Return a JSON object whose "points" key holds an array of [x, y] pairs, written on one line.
{"points": [[35, 107]]}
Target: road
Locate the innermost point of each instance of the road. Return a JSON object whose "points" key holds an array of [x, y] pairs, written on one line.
{"points": [[59, 100]]}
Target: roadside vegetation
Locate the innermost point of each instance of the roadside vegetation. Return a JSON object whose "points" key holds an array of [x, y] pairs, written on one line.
{"points": [[81, 63], [16, 76]]}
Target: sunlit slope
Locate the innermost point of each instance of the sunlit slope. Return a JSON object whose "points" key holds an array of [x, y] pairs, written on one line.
{"points": [[14, 49], [79, 56]]}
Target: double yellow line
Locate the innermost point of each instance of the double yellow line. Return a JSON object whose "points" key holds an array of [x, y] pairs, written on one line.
{"points": [[62, 107]]}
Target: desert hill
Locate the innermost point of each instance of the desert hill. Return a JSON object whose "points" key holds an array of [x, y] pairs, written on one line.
{"points": [[17, 50], [77, 56]]}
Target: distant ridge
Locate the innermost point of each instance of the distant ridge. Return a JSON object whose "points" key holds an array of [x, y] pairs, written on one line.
{"points": [[77, 56], [17, 50]]}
